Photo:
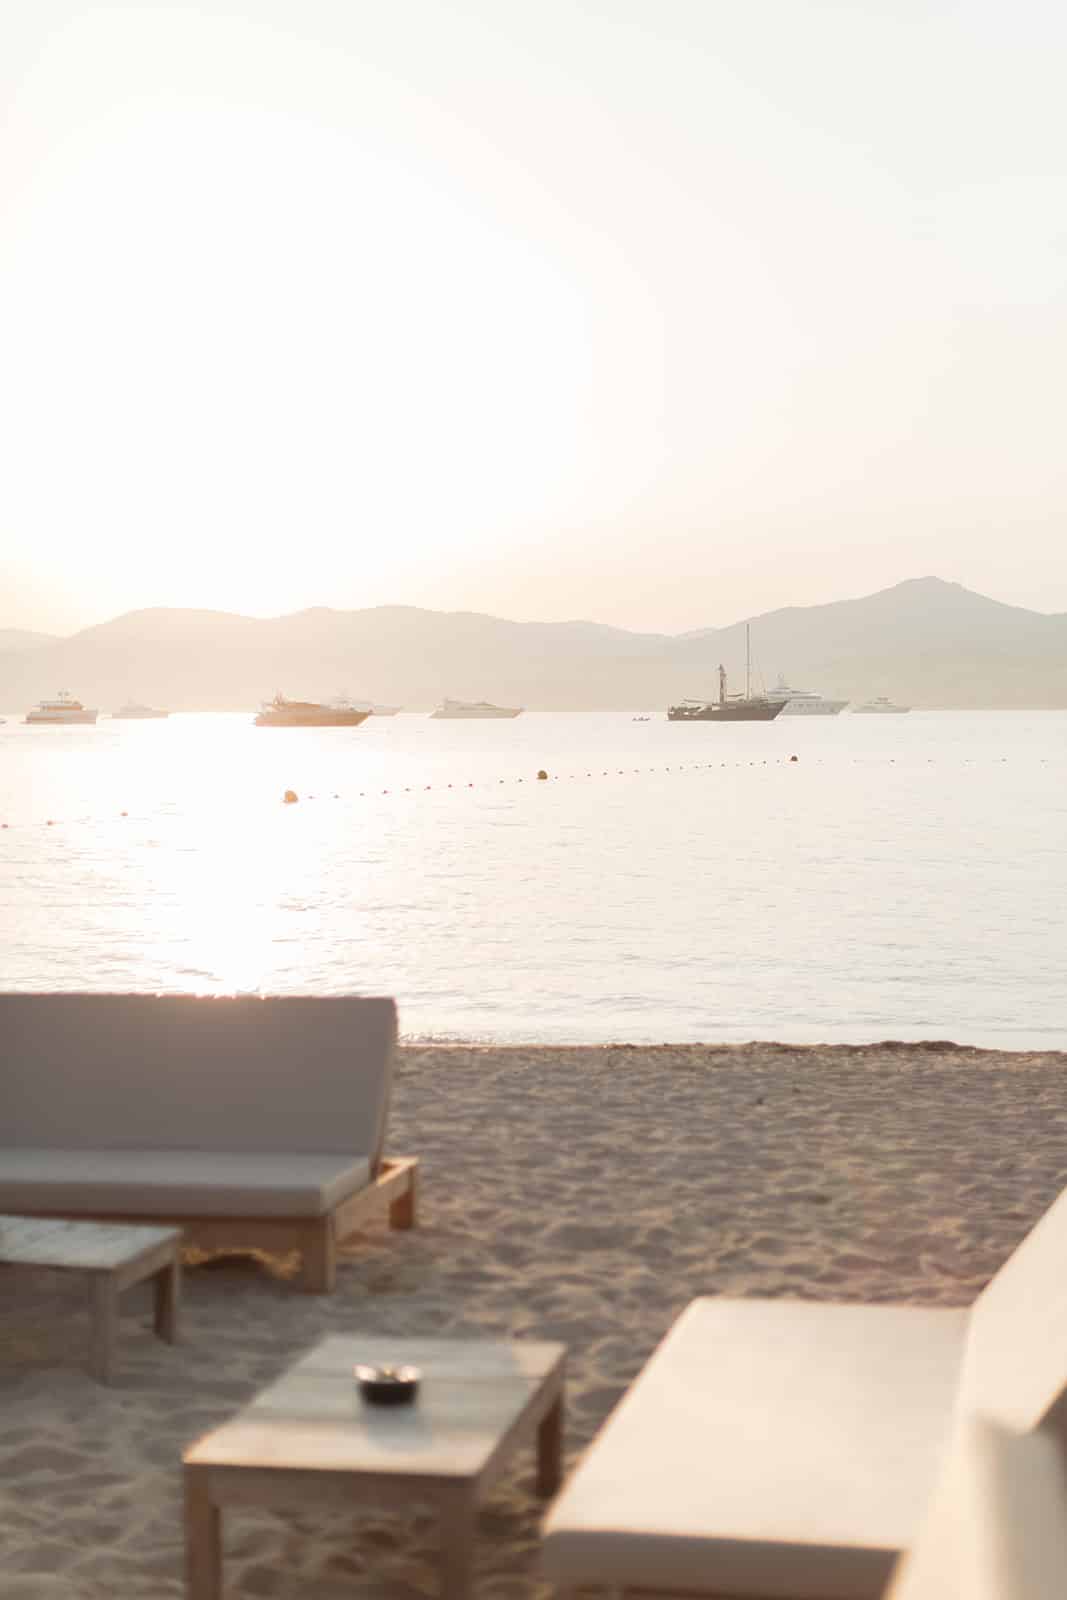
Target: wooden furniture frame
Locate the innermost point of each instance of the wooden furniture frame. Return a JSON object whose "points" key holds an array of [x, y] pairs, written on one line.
{"points": [[394, 1189], [113, 1257], [311, 1439]]}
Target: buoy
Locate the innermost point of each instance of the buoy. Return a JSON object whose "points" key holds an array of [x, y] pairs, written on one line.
{"points": [[289, 798], [794, 758], [541, 774], [124, 813]]}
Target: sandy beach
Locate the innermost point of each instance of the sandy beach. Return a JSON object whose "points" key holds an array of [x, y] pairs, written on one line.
{"points": [[583, 1195]]}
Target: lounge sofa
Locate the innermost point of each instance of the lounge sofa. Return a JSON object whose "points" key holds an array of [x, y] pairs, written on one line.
{"points": [[251, 1122], [996, 1528], [787, 1449]]}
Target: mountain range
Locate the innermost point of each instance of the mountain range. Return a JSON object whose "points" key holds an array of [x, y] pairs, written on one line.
{"points": [[926, 642]]}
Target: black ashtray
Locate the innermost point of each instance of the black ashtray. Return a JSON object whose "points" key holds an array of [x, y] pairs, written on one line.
{"points": [[388, 1386]]}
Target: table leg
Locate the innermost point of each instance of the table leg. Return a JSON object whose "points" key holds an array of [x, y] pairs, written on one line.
{"points": [[550, 1450], [104, 1312], [457, 1547], [203, 1539], [167, 1287]]}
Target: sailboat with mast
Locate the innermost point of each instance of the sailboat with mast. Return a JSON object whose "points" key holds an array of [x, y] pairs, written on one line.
{"points": [[730, 707]]}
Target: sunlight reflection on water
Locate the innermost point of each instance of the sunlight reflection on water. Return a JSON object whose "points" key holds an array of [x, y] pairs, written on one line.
{"points": [[902, 879]]}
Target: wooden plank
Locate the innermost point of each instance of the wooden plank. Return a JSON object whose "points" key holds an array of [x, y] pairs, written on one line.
{"points": [[550, 1449], [473, 1405], [104, 1308], [392, 1185], [63, 1244], [203, 1539], [319, 1252], [457, 1524], [167, 1289]]}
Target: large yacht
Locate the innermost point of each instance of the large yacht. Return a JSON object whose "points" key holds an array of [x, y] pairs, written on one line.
{"points": [[804, 702], [283, 713], [882, 705], [474, 708], [64, 708], [344, 703], [133, 710]]}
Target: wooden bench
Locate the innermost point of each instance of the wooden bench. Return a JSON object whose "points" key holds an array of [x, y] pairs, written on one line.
{"points": [[251, 1123]]}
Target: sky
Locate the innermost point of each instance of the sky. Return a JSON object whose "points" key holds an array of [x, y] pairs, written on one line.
{"points": [[657, 312]]}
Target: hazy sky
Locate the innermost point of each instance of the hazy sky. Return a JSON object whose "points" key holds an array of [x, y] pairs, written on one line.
{"points": [[660, 312]]}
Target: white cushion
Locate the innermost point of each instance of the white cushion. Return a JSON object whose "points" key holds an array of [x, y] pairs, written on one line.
{"points": [[997, 1523], [769, 1447], [178, 1183], [1015, 1368], [237, 1072]]}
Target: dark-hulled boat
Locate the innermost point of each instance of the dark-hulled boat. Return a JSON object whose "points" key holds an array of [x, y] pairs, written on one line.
{"points": [[745, 707], [283, 713]]}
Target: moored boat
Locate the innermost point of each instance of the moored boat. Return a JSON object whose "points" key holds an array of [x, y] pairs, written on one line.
{"points": [[747, 707], [804, 702], [132, 711], [64, 709], [283, 713], [474, 708], [344, 703], [881, 705]]}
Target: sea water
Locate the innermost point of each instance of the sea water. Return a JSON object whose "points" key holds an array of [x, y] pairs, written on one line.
{"points": [[902, 878]]}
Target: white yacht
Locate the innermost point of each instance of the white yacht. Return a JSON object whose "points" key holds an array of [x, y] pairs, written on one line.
{"points": [[63, 709], [344, 702], [804, 702], [881, 704], [133, 710], [474, 708]]}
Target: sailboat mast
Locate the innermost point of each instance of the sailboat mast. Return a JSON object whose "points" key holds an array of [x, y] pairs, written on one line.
{"points": [[748, 662]]}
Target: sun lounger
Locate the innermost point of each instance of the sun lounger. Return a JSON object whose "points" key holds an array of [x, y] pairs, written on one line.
{"points": [[787, 1449], [251, 1122], [996, 1528]]}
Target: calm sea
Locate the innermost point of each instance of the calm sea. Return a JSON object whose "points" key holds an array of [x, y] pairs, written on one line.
{"points": [[904, 878]]}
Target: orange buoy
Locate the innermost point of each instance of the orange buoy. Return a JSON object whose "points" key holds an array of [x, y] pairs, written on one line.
{"points": [[289, 798]]}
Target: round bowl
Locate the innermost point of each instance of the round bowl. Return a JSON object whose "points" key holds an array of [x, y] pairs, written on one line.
{"points": [[387, 1386]]}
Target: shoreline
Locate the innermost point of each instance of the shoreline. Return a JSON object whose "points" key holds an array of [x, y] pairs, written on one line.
{"points": [[581, 1193]]}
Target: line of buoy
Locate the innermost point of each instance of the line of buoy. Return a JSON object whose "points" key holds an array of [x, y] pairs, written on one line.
{"points": [[290, 796]]}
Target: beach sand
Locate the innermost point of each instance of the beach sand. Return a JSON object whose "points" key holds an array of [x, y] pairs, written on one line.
{"points": [[583, 1195]]}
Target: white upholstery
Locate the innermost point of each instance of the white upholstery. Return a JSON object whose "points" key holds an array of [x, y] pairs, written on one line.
{"points": [[178, 1183], [148, 1072], [769, 1447], [185, 1106], [1016, 1363], [787, 1448], [997, 1524]]}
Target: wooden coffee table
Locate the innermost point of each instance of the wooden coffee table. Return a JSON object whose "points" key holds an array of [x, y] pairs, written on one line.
{"points": [[312, 1439], [114, 1256]]}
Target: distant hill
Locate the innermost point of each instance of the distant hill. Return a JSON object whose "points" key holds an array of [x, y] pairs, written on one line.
{"points": [[23, 639], [926, 642]]}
